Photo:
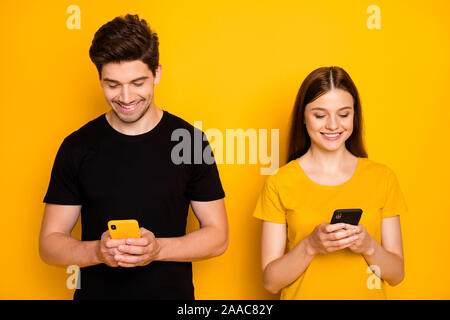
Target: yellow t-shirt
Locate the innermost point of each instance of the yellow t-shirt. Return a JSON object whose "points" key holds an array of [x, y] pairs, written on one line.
{"points": [[291, 197]]}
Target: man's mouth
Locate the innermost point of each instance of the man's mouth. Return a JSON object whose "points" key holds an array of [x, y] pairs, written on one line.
{"points": [[332, 135], [128, 108]]}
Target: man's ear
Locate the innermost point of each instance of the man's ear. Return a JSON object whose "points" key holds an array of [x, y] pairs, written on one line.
{"points": [[157, 77], [101, 80]]}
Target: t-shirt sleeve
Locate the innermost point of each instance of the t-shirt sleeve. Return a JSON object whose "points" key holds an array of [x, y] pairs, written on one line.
{"points": [[395, 202], [204, 182], [63, 187], [269, 206]]}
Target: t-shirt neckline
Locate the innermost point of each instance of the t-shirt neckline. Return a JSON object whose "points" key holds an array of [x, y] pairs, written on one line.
{"points": [[323, 186], [138, 137]]}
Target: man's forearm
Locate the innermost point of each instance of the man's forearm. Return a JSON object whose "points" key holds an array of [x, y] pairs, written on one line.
{"points": [[61, 249], [204, 243]]}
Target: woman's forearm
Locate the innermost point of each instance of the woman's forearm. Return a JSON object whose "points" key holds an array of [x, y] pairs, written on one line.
{"points": [[391, 266], [282, 271]]}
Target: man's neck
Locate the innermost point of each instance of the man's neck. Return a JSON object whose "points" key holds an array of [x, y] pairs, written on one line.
{"points": [[150, 119]]}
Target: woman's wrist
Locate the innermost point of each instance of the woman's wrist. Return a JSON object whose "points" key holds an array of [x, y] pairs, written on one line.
{"points": [[371, 248], [309, 249]]}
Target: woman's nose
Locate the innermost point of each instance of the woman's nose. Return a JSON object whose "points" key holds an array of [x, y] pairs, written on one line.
{"points": [[332, 123]]}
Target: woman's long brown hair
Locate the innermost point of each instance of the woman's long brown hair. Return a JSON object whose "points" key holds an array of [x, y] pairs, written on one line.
{"points": [[316, 84]]}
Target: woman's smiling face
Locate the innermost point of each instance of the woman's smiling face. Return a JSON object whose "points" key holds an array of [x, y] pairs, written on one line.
{"points": [[329, 119]]}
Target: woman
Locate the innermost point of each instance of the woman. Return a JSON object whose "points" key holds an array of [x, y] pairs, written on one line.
{"points": [[328, 169]]}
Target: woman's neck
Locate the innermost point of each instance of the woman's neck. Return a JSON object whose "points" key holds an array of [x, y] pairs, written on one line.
{"points": [[328, 162]]}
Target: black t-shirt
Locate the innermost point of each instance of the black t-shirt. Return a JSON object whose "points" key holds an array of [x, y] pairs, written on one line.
{"points": [[117, 176]]}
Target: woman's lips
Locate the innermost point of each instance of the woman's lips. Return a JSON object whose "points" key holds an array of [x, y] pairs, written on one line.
{"points": [[332, 136]]}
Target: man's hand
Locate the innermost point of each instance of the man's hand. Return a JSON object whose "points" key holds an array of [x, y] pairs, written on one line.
{"points": [[107, 249], [135, 252]]}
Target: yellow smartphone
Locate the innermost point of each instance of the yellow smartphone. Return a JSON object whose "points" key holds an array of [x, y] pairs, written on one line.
{"points": [[123, 229]]}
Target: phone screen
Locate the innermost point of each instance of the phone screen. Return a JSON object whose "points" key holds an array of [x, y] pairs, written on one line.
{"points": [[349, 216]]}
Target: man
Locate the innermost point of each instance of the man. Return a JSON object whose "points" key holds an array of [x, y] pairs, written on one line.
{"points": [[120, 166]]}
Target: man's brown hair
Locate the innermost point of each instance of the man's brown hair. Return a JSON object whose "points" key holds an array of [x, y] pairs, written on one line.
{"points": [[125, 39]]}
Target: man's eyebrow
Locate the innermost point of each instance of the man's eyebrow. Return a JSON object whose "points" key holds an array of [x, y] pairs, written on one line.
{"points": [[323, 109], [134, 80]]}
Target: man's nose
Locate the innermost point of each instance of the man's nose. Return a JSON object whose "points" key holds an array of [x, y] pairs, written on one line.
{"points": [[125, 95]]}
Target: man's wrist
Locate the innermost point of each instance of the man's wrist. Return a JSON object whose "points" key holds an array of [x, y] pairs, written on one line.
{"points": [[159, 254], [96, 251]]}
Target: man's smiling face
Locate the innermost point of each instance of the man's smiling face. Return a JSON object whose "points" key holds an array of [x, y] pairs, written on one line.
{"points": [[129, 88]]}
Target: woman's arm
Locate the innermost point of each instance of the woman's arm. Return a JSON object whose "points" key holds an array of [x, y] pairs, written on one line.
{"points": [[280, 269], [387, 256]]}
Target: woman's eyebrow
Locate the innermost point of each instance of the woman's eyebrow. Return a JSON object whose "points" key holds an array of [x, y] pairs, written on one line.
{"points": [[323, 109]]}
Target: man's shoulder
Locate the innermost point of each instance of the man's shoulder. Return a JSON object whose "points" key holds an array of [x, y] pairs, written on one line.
{"points": [[175, 122], [86, 133], [94, 129]]}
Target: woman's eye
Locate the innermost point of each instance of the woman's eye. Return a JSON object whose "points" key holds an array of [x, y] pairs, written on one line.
{"points": [[344, 115], [319, 116]]}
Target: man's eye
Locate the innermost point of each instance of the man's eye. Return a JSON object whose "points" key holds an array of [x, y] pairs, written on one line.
{"points": [[113, 86], [138, 84]]}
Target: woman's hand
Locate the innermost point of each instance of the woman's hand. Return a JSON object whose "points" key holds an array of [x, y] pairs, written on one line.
{"points": [[365, 242], [331, 237]]}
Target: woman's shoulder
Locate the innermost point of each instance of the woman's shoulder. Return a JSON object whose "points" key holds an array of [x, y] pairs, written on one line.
{"points": [[374, 168], [284, 173]]}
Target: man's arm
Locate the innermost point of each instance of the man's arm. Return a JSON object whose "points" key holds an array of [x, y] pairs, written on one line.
{"points": [[209, 241], [56, 246]]}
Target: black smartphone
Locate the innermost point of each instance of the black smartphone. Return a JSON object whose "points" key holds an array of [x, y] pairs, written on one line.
{"points": [[349, 216]]}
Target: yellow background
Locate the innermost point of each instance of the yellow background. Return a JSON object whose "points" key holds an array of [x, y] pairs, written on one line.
{"points": [[231, 64]]}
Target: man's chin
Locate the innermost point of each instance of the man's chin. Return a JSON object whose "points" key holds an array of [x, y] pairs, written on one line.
{"points": [[130, 118]]}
